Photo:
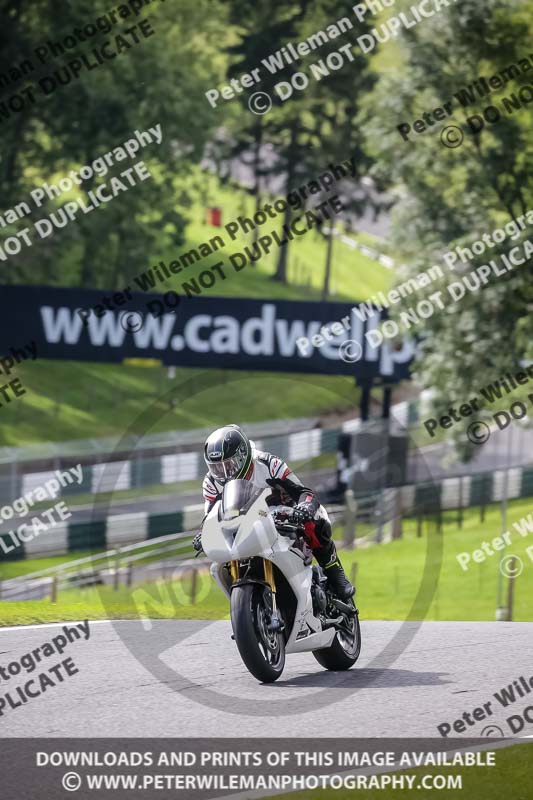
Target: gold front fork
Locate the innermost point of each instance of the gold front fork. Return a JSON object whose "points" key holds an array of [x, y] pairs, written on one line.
{"points": [[269, 574], [269, 578], [234, 570]]}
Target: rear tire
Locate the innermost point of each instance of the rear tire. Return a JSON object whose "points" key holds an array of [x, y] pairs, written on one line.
{"points": [[345, 649], [262, 651]]}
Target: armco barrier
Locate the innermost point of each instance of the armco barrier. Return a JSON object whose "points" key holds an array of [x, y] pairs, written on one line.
{"points": [[151, 470], [115, 530], [97, 535]]}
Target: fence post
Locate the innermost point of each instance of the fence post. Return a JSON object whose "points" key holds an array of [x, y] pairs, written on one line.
{"points": [[380, 514], [354, 573], [350, 516], [194, 586], [483, 499], [439, 513], [510, 590], [129, 574], [53, 590], [397, 515], [117, 567]]}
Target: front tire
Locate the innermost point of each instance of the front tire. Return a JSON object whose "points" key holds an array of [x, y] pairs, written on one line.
{"points": [[262, 651], [345, 649]]}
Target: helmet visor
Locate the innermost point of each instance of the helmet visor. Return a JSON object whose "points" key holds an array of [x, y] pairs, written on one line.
{"points": [[229, 468]]}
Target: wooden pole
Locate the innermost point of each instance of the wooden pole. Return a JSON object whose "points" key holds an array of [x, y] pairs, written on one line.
{"points": [[350, 516], [397, 519], [510, 589], [460, 509], [194, 586], [327, 272], [117, 568]]}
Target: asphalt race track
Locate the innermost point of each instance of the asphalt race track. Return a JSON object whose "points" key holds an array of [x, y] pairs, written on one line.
{"points": [[429, 674]]}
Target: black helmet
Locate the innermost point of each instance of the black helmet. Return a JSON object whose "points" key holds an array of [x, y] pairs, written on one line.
{"points": [[228, 453]]}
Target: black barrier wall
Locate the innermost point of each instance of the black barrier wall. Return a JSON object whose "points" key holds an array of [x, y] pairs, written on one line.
{"points": [[248, 334]]}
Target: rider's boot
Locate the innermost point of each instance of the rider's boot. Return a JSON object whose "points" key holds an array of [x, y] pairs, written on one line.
{"points": [[338, 583]]}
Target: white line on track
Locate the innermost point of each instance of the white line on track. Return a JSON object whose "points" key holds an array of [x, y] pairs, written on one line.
{"points": [[56, 624]]}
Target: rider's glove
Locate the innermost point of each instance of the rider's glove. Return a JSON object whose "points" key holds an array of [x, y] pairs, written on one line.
{"points": [[197, 543], [301, 514]]}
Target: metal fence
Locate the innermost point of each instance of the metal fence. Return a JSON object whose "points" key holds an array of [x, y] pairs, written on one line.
{"points": [[144, 469], [128, 564]]}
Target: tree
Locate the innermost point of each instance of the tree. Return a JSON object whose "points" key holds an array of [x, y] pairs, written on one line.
{"points": [[151, 83], [451, 197], [314, 126]]}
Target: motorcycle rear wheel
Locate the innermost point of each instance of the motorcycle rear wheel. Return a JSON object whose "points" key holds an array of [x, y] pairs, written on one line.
{"points": [[345, 649], [262, 651]]}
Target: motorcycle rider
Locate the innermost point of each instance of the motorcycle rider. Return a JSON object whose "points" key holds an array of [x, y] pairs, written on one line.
{"points": [[230, 455]]}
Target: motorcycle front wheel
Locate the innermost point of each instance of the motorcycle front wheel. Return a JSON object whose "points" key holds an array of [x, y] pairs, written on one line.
{"points": [[261, 649]]}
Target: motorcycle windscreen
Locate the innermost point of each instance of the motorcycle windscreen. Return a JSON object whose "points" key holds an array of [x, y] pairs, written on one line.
{"points": [[238, 497]]}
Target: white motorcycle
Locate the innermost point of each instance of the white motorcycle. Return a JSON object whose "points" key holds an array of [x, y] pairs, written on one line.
{"points": [[279, 602]]}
